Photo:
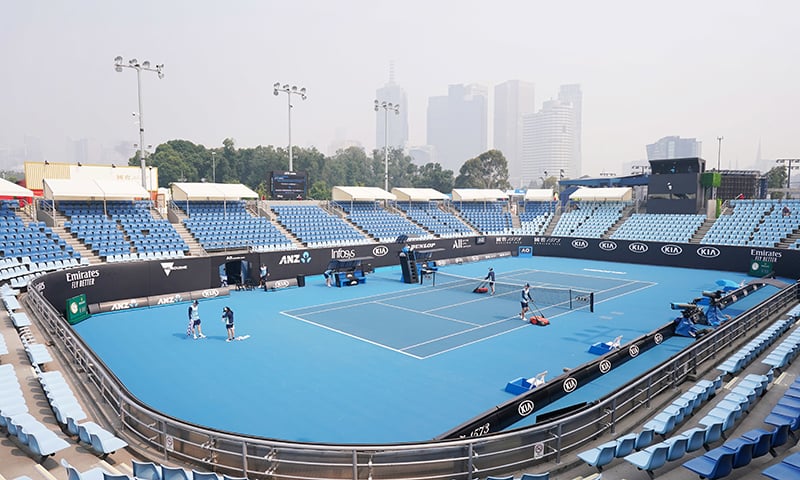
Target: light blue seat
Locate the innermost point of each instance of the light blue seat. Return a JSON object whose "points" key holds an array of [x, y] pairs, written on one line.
{"points": [[525, 476], [713, 433], [662, 424], [146, 470], [173, 473], [599, 456], [113, 476], [644, 438], [650, 458], [96, 473], [625, 445], [204, 475], [695, 438], [45, 444], [105, 443], [677, 447]]}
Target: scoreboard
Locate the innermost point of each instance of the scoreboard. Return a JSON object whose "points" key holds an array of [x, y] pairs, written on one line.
{"points": [[288, 185]]}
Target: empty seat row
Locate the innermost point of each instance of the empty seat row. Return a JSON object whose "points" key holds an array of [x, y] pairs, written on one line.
{"points": [[746, 354]]}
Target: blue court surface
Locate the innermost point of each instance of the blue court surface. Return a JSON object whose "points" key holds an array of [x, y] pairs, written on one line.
{"points": [[388, 362]]}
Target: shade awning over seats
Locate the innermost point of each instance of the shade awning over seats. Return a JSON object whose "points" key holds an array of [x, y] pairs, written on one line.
{"points": [[478, 195], [360, 194], [613, 194], [10, 189], [83, 189], [211, 191], [418, 194], [539, 195]]}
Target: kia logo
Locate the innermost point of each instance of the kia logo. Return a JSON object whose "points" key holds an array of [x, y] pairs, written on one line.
{"points": [[570, 384], [605, 366], [525, 408], [708, 252], [671, 250], [580, 243], [607, 245], [281, 283], [380, 250], [210, 293], [633, 351], [638, 247]]}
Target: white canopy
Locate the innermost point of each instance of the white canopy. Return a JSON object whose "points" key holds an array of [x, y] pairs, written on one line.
{"points": [[63, 189], [539, 195], [478, 195], [355, 194], [211, 191], [418, 194], [612, 194], [10, 189]]}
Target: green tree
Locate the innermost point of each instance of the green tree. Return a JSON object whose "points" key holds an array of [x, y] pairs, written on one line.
{"points": [[319, 191], [431, 175], [487, 170], [776, 178]]}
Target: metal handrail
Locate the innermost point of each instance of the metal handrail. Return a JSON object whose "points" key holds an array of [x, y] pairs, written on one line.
{"points": [[462, 459]]}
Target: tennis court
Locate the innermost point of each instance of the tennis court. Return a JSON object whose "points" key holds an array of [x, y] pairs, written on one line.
{"points": [[383, 362]]}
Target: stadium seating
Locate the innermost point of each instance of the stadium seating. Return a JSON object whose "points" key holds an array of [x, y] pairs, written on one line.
{"points": [[486, 217], [659, 227], [228, 225], [588, 219], [755, 222], [435, 219], [535, 217], [383, 225], [317, 228]]}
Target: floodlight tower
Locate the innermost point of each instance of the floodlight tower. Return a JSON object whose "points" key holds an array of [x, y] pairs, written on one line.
{"points": [[387, 107], [159, 69], [289, 91]]}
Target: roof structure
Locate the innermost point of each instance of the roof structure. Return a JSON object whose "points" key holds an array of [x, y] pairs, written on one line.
{"points": [[211, 191], [355, 194], [83, 189], [613, 194], [539, 195], [478, 195], [418, 194], [10, 189]]}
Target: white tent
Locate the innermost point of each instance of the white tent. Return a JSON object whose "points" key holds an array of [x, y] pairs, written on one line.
{"points": [[63, 189], [539, 195], [211, 191], [9, 189], [356, 194], [418, 194], [613, 194], [478, 195]]}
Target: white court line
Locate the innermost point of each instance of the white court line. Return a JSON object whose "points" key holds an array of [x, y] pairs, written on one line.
{"points": [[346, 334], [428, 314]]}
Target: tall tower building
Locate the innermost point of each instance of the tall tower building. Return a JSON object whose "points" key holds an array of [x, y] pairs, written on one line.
{"points": [[512, 100], [398, 123], [548, 143], [674, 147], [457, 125], [573, 95]]}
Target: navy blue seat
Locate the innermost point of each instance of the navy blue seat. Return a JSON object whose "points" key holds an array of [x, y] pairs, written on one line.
{"points": [[788, 469], [716, 463]]}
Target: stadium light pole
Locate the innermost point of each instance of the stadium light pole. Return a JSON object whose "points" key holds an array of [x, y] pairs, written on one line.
{"points": [[214, 166], [719, 151], [158, 69], [387, 107], [289, 91]]}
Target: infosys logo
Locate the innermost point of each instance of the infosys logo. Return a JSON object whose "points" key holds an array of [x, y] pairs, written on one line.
{"points": [[580, 243], [380, 250], [638, 247], [671, 250], [342, 253], [708, 252], [607, 245]]}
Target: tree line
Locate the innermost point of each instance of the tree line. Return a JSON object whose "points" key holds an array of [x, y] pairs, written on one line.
{"points": [[184, 161]]}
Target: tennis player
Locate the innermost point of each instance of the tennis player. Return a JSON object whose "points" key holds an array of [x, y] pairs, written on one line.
{"points": [[526, 297], [227, 317], [490, 278]]}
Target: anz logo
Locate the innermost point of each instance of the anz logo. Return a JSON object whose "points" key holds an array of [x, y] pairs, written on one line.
{"points": [[708, 252], [671, 250], [638, 247], [305, 257], [607, 245], [580, 243]]}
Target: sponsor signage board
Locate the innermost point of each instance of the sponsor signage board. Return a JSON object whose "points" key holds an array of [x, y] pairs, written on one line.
{"points": [[77, 309]]}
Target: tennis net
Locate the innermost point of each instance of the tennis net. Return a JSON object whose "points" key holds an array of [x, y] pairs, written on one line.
{"points": [[567, 298]]}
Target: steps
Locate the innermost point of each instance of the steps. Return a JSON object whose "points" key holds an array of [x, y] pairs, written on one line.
{"points": [[195, 249]]}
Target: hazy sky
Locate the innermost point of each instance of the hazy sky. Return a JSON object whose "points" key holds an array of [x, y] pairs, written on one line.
{"points": [[648, 69]]}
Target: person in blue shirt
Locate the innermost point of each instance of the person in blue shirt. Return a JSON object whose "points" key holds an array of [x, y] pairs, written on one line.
{"points": [[526, 297], [227, 316], [490, 278]]}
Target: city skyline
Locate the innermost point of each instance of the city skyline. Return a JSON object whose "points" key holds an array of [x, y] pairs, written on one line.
{"points": [[728, 73]]}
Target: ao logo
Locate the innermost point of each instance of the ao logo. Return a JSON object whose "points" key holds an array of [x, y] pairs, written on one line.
{"points": [[633, 351], [525, 408], [658, 338], [708, 252], [210, 293], [638, 247], [570, 384], [580, 243], [671, 250], [607, 245], [380, 250], [605, 366], [281, 284]]}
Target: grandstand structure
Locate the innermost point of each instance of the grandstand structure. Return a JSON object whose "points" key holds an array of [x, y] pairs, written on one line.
{"points": [[66, 231]]}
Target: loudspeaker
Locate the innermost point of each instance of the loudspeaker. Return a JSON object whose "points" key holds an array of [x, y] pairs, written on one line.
{"points": [[301, 280]]}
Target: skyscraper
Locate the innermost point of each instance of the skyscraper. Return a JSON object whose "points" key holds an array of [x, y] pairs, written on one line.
{"points": [[457, 125], [512, 100], [548, 143], [398, 123], [573, 95], [674, 147]]}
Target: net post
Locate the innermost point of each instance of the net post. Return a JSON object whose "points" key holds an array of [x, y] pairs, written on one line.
{"points": [[591, 302]]}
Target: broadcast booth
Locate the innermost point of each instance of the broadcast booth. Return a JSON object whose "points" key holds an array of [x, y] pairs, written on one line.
{"points": [[348, 273]]}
